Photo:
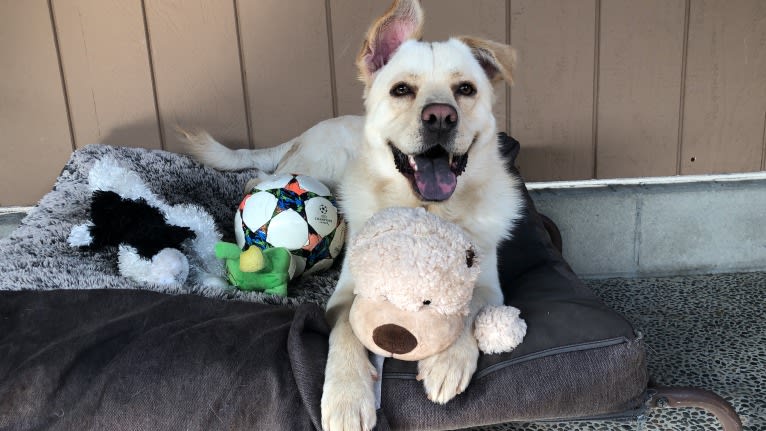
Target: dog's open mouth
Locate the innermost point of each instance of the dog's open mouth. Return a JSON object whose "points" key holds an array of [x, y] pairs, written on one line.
{"points": [[433, 174]]}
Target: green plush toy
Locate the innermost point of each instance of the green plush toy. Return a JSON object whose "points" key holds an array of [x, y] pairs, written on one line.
{"points": [[255, 269]]}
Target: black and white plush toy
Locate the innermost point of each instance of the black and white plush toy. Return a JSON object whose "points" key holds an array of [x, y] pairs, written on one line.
{"points": [[154, 240]]}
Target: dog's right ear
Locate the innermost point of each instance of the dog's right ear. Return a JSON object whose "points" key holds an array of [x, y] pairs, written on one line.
{"points": [[402, 21], [497, 59]]}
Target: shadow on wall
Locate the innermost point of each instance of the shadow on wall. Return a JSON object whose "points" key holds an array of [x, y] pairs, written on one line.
{"points": [[142, 133], [552, 162], [146, 134]]}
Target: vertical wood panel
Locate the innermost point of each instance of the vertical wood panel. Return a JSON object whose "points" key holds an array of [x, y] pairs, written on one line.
{"points": [[197, 70], [287, 65], [725, 87], [106, 69], [350, 21], [641, 46], [552, 103], [447, 18], [36, 140]]}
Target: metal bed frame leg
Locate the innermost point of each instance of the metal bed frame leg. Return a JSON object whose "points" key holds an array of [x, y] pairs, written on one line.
{"points": [[673, 397]]}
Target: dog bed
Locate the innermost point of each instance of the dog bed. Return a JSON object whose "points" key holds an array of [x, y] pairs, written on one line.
{"points": [[83, 348]]}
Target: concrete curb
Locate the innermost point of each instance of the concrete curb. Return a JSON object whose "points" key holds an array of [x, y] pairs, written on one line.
{"points": [[644, 226], [659, 226]]}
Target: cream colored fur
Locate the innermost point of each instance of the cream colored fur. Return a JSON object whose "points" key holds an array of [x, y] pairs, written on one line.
{"points": [[352, 155]]}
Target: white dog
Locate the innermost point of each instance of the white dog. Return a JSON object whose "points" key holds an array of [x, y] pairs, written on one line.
{"points": [[428, 139]]}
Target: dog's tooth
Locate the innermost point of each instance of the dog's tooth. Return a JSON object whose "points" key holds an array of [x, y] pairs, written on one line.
{"points": [[412, 163], [450, 158]]}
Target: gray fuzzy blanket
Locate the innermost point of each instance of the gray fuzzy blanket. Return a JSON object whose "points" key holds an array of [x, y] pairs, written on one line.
{"points": [[36, 255]]}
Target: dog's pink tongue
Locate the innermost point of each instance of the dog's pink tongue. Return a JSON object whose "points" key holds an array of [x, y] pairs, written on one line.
{"points": [[434, 178]]}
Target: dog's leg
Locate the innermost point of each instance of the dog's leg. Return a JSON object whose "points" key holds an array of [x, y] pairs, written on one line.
{"points": [[348, 398], [448, 373]]}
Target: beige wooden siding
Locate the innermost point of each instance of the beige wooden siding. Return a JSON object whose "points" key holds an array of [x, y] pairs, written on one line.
{"points": [[555, 87], [277, 55], [725, 94], [197, 73], [605, 88], [639, 87], [105, 60], [35, 140]]}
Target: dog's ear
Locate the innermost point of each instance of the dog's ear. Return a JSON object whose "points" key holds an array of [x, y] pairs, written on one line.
{"points": [[402, 21], [497, 59]]}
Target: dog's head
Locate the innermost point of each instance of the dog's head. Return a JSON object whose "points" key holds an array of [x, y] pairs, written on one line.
{"points": [[429, 104]]}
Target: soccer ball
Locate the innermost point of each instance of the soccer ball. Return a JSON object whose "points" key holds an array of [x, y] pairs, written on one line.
{"points": [[296, 212]]}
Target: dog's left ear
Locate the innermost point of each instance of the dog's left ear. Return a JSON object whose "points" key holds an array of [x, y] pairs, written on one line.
{"points": [[402, 21], [497, 59]]}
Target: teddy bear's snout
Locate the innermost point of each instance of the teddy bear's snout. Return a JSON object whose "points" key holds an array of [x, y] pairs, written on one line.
{"points": [[394, 338]]}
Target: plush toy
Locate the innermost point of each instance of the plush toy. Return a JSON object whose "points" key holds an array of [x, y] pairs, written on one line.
{"points": [[255, 269], [415, 279], [154, 240]]}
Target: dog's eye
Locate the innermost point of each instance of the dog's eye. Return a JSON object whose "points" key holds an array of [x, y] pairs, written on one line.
{"points": [[466, 89], [427, 302], [401, 89], [470, 256]]}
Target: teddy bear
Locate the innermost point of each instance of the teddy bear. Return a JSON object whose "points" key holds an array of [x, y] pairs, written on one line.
{"points": [[416, 274]]}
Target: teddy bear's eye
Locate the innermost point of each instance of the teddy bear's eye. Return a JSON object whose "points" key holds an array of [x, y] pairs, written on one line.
{"points": [[427, 302], [470, 256]]}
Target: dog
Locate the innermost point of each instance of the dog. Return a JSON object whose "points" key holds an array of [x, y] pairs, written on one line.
{"points": [[428, 139]]}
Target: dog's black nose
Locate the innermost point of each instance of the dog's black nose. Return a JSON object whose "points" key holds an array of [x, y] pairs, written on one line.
{"points": [[395, 339], [439, 117]]}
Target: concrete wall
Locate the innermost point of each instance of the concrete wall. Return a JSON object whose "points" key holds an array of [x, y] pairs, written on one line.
{"points": [[660, 227]]}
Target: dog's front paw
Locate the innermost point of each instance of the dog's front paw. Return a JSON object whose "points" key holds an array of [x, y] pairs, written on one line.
{"points": [[447, 374], [348, 402], [348, 397]]}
